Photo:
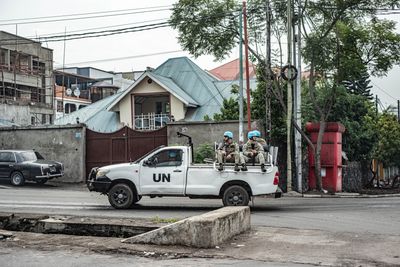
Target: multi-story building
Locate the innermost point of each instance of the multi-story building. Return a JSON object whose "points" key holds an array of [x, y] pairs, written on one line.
{"points": [[26, 83], [76, 88]]}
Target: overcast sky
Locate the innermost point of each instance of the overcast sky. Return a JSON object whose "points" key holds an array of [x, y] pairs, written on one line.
{"points": [[140, 49]]}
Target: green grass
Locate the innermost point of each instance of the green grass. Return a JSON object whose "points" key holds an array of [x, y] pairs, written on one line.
{"points": [[162, 220]]}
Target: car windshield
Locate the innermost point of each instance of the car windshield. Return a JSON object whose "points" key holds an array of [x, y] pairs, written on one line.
{"points": [[142, 157], [28, 156]]}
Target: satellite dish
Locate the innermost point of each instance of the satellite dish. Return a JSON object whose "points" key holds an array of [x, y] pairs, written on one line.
{"points": [[77, 92], [68, 91]]}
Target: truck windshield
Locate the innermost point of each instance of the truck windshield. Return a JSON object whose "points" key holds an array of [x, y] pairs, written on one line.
{"points": [[142, 157]]}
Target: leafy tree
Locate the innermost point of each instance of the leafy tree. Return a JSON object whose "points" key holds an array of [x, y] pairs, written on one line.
{"points": [[357, 114], [388, 147], [229, 110], [333, 50], [345, 36], [230, 107], [361, 86]]}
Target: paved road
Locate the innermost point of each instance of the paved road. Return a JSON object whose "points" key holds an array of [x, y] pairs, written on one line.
{"points": [[16, 257], [358, 215]]}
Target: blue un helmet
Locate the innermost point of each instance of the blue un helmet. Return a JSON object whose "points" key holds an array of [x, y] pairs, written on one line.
{"points": [[172, 153], [228, 134], [257, 133], [250, 135]]}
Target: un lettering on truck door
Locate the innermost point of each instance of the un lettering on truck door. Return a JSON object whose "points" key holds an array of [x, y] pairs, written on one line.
{"points": [[161, 177], [164, 173]]}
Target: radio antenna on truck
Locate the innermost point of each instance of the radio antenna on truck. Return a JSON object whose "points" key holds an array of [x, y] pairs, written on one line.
{"points": [[190, 143]]}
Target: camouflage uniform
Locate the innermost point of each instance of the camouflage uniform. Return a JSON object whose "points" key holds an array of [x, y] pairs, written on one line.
{"points": [[229, 149], [261, 140], [254, 145]]}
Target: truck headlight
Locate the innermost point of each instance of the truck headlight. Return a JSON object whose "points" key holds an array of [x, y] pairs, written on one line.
{"points": [[102, 173]]}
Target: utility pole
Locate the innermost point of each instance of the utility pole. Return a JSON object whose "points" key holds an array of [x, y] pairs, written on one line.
{"points": [[376, 104], [63, 74], [241, 135], [289, 98], [297, 135], [246, 53], [268, 123], [2, 84], [398, 110]]}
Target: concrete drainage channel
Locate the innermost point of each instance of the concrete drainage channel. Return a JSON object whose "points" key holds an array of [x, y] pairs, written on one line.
{"points": [[72, 225], [202, 231]]}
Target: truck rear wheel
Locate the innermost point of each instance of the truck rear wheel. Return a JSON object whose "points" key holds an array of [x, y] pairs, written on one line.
{"points": [[235, 195], [121, 196]]}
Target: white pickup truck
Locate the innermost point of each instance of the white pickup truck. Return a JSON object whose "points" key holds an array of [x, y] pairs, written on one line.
{"points": [[170, 171]]}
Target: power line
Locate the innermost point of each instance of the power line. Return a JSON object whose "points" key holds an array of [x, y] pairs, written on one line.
{"points": [[95, 34], [383, 91], [69, 36], [126, 57], [87, 17], [96, 28], [81, 14], [86, 35]]}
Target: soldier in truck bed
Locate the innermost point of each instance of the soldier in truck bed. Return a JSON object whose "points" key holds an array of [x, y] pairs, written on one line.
{"points": [[257, 137], [228, 151], [253, 150]]}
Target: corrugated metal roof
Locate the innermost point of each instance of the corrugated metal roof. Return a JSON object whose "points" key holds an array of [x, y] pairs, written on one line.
{"points": [[195, 82], [176, 90], [225, 87], [95, 116]]}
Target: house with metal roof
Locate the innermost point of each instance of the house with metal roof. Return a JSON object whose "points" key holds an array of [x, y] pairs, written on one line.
{"points": [[178, 90]]}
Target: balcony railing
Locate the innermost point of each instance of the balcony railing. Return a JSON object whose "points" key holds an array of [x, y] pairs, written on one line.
{"points": [[151, 121]]}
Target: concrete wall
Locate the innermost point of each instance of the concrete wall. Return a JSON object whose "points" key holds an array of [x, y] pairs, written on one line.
{"points": [[61, 143], [205, 132]]}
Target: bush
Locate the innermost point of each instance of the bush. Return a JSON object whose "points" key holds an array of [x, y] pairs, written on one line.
{"points": [[202, 152]]}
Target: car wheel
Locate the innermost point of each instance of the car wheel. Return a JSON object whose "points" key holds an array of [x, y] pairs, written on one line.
{"points": [[17, 179], [235, 195], [120, 196], [135, 200], [41, 181]]}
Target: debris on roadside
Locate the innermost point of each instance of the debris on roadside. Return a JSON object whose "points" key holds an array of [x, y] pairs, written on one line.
{"points": [[5, 234]]}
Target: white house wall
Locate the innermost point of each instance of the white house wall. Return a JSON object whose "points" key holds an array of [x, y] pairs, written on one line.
{"points": [[177, 108], [125, 111], [147, 88], [125, 105]]}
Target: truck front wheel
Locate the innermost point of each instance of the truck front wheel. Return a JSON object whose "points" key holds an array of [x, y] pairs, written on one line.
{"points": [[120, 196], [235, 195]]}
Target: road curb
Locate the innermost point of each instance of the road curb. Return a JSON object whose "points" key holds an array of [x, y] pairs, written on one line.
{"points": [[4, 187], [340, 196]]}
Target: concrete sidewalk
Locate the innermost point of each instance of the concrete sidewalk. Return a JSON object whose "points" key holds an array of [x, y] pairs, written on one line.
{"points": [[336, 195], [269, 244]]}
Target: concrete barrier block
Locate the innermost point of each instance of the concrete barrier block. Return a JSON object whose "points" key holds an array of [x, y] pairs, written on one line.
{"points": [[203, 231]]}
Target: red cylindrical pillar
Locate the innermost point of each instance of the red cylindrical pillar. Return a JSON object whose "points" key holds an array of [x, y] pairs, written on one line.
{"points": [[331, 156]]}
